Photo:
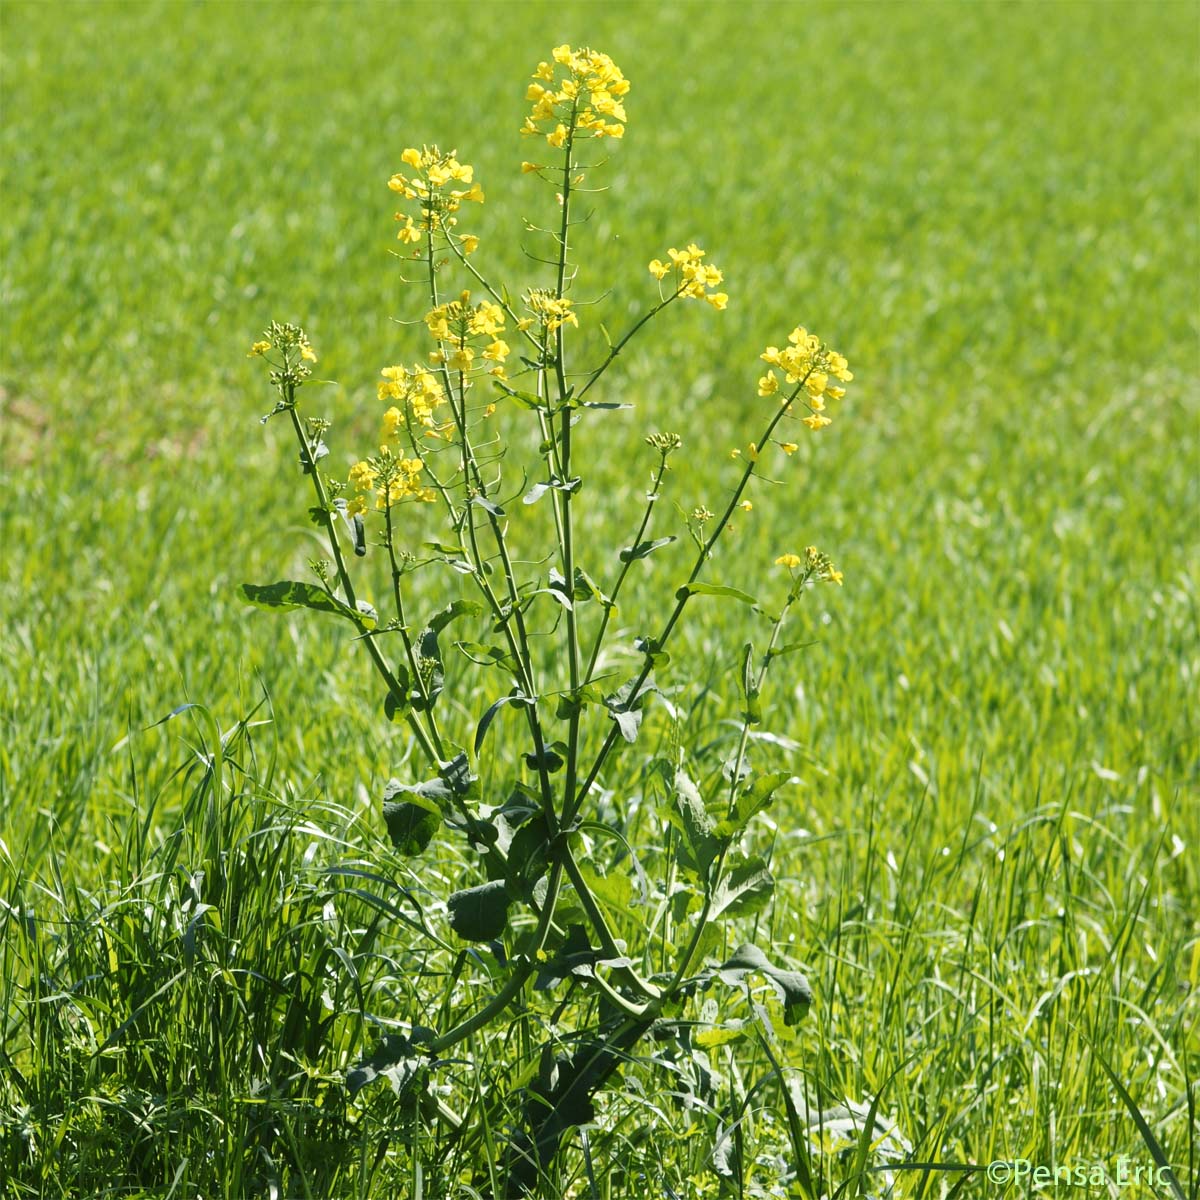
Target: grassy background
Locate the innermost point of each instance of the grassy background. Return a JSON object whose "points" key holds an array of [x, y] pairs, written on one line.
{"points": [[990, 209]]}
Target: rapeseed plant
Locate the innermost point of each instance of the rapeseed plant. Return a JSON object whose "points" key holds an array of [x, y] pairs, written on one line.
{"points": [[547, 913]]}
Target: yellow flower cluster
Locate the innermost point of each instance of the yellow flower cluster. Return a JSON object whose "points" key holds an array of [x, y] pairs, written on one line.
{"points": [[585, 97], [295, 352], [550, 310], [459, 323], [435, 171], [258, 349], [807, 360], [390, 478], [418, 389], [814, 563], [694, 277]]}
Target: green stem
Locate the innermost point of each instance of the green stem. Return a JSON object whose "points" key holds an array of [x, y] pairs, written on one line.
{"points": [[575, 803], [344, 576], [596, 917], [519, 646], [619, 346], [701, 921], [609, 608], [491, 291], [516, 981], [409, 653], [566, 541]]}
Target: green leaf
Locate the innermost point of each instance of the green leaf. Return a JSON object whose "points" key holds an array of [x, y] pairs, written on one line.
{"points": [[488, 506], [523, 399], [586, 588], [287, 594], [551, 758], [396, 705], [448, 549], [719, 1035], [480, 914], [489, 656], [651, 648], [413, 811], [396, 1059], [752, 800], [626, 708], [569, 486], [642, 549], [319, 451], [528, 856], [698, 845], [411, 824], [489, 716], [614, 889], [750, 686], [743, 891], [714, 589], [570, 703], [790, 648], [792, 988], [427, 646], [574, 957]]}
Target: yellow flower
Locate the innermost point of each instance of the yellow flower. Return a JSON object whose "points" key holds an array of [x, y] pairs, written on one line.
{"points": [[585, 87], [527, 167], [258, 349], [768, 384], [717, 299], [412, 157], [834, 576], [469, 243], [392, 420], [752, 452], [362, 476], [658, 269], [791, 561], [462, 358], [788, 447], [497, 351], [746, 506], [408, 231], [817, 421], [307, 352]]}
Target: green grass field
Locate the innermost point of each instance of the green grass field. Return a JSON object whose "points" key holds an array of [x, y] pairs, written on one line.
{"points": [[989, 870]]}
